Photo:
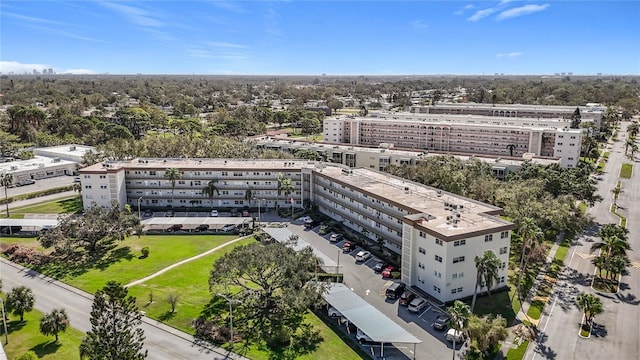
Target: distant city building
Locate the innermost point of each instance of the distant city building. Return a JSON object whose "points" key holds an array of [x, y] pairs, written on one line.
{"points": [[435, 233]]}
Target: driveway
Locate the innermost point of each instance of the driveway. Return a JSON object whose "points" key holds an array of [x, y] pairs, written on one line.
{"points": [[163, 342], [361, 278], [616, 335]]}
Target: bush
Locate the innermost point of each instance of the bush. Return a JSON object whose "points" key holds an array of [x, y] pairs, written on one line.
{"points": [[26, 255], [395, 275], [29, 355], [145, 252]]}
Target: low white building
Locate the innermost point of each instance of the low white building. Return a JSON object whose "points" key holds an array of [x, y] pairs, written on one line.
{"points": [[436, 234], [71, 152], [39, 167]]}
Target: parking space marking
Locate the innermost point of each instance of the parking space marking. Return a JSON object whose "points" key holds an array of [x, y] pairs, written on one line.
{"points": [[424, 312]]}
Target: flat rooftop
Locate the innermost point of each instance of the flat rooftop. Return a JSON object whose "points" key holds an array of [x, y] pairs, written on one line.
{"points": [[428, 203], [541, 108], [38, 162], [470, 120], [71, 149], [275, 165]]}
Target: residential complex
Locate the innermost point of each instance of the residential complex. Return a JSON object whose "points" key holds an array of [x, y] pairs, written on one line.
{"points": [[437, 234], [470, 134], [47, 162], [381, 157]]}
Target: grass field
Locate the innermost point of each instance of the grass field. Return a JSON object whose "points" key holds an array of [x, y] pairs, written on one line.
{"points": [[518, 353], [123, 263], [25, 336], [626, 171], [63, 206]]}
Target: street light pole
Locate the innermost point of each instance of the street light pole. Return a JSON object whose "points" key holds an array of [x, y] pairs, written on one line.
{"points": [[139, 214], [231, 302], [4, 321]]}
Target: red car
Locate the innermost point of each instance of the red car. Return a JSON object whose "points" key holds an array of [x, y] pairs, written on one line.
{"points": [[386, 273]]}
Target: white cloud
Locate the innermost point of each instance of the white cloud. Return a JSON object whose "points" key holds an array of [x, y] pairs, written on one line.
{"points": [[136, 15], [31, 18], [20, 68], [222, 44], [220, 55], [480, 14], [522, 10], [418, 24], [465, 8], [509, 55]]}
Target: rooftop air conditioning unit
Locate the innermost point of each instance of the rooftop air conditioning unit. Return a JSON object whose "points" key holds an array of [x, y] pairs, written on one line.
{"points": [[14, 168]]}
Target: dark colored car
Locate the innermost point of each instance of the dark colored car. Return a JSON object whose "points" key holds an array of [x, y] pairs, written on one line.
{"points": [[441, 322], [388, 271], [169, 213], [10, 229], [202, 227], [380, 266], [406, 298], [394, 291], [175, 227]]}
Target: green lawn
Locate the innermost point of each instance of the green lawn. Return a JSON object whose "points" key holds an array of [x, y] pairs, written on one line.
{"points": [[25, 336], [499, 303], [626, 171], [518, 353], [124, 265], [63, 206]]}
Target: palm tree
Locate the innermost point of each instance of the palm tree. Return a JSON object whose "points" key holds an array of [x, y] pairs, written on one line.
{"points": [[628, 144], [633, 129], [634, 149], [248, 194], [600, 262], [210, 190], [284, 185], [459, 314], [612, 246], [487, 267], [531, 237], [172, 174], [54, 323], [616, 193], [590, 306], [511, 147], [20, 300], [618, 266], [6, 180]]}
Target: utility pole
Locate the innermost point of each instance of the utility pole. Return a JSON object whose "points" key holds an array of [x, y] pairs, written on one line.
{"points": [[231, 302]]}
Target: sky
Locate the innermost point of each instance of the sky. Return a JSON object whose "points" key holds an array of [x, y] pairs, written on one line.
{"points": [[332, 37]]}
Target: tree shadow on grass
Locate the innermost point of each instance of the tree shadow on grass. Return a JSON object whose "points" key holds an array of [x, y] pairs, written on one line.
{"points": [[46, 348], [78, 263], [71, 205], [166, 316], [15, 325], [214, 307]]}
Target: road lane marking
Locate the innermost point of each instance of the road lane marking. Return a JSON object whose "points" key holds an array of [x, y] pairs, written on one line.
{"points": [[424, 312], [635, 264], [586, 256]]}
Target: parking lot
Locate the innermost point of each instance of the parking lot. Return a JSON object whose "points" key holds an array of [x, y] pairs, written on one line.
{"points": [[371, 286]]}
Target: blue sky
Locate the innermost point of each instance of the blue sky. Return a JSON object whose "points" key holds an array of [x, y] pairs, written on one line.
{"points": [[316, 37]]}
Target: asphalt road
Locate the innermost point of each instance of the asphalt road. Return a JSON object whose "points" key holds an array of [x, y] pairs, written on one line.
{"points": [[371, 287], [41, 184], [616, 334], [162, 342]]}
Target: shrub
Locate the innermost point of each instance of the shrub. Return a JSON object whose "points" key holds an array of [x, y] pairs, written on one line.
{"points": [[395, 275], [29, 355], [145, 252]]}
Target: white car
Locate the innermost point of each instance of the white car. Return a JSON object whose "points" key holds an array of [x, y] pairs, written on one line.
{"points": [[363, 255], [305, 219], [453, 334], [333, 312], [214, 213], [417, 304], [362, 337]]}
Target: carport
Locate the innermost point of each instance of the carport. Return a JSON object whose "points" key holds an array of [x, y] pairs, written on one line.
{"points": [[160, 223], [32, 225], [283, 235], [367, 318]]}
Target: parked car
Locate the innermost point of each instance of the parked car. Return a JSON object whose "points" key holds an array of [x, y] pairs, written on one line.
{"points": [[395, 290], [175, 227], [453, 334], [10, 229], [27, 182], [148, 213], [245, 213], [323, 229], [348, 247], [305, 218], [169, 213], [202, 227], [333, 312], [417, 304], [381, 265], [229, 228], [388, 271], [363, 256], [336, 237], [406, 297], [362, 337], [214, 213], [310, 223], [441, 322]]}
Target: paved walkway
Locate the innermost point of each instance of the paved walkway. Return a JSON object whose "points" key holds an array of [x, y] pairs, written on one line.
{"points": [[173, 266]]}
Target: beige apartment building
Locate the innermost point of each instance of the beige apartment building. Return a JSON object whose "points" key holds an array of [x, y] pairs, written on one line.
{"points": [[466, 134], [436, 234]]}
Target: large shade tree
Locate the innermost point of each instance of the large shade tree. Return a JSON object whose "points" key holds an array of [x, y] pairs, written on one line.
{"points": [[115, 326], [273, 288], [487, 273]]}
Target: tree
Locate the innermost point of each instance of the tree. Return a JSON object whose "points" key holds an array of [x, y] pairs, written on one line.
{"points": [[575, 119], [612, 246], [115, 331], [210, 190], [6, 180], [54, 323], [172, 175], [627, 144], [487, 267], [590, 305], [284, 185], [459, 314], [511, 147], [275, 289], [20, 300], [486, 332], [172, 299], [531, 236], [633, 129]]}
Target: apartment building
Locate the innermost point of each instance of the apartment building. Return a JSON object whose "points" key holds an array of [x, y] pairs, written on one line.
{"points": [[385, 155], [437, 234], [464, 134]]}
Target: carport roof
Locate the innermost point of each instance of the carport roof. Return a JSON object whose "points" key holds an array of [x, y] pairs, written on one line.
{"points": [[365, 317], [195, 220], [283, 234], [38, 223]]}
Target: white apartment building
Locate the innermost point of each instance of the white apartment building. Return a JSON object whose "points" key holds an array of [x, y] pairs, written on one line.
{"points": [[437, 234], [466, 134]]}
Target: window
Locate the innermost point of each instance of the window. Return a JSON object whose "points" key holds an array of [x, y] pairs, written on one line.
{"points": [[501, 279], [422, 251], [459, 242], [423, 235], [103, 176], [488, 238], [438, 258], [103, 186], [87, 187], [503, 250], [153, 173], [436, 289], [453, 291], [459, 289], [504, 235], [458, 259], [439, 242], [421, 265]]}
